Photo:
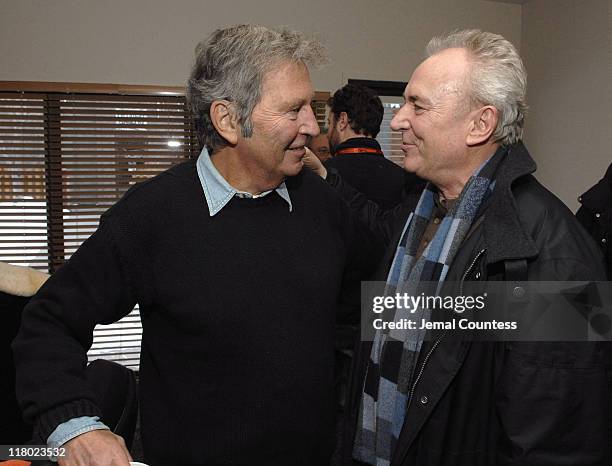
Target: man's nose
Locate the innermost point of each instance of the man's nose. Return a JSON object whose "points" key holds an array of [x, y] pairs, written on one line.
{"points": [[400, 120], [309, 124]]}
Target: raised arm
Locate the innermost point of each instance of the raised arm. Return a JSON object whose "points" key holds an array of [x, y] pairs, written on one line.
{"points": [[382, 223], [20, 281]]}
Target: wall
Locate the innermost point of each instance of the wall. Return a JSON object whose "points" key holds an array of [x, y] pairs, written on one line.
{"points": [[566, 44], [567, 48], [152, 41]]}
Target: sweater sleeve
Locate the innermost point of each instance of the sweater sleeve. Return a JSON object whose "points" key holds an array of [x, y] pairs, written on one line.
{"points": [[381, 223], [364, 249], [50, 350]]}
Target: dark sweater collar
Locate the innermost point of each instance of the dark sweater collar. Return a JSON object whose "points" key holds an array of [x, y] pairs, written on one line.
{"points": [[505, 237], [358, 143]]}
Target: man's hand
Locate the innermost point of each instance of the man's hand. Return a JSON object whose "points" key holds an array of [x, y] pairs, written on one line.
{"points": [[312, 162], [96, 448]]}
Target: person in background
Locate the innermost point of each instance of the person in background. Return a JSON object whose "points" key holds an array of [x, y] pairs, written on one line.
{"points": [[595, 214], [319, 145], [482, 218], [17, 285], [237, 261], [20, 281], [354, 119]]}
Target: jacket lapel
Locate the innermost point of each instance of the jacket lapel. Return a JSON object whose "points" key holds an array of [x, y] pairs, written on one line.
{"points": [[503, 233]]}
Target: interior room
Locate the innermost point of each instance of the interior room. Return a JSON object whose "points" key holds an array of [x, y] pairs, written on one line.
{"points": [[69, 68]]}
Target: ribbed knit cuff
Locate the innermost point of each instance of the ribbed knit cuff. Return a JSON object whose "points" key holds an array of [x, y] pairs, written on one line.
{"points": [[49, 420]]}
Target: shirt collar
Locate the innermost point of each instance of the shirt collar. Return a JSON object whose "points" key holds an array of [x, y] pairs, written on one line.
{"points": [[218, 192], [358, 142]]}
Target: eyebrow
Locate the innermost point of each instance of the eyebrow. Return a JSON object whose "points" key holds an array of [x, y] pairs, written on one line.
{"points": [[300, 102], [416, 98]]}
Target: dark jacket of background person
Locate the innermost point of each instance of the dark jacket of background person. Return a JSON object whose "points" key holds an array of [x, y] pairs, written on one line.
{"points": [[17, 285], [236, 359], [595, 215], [378, 178], [485, 403]]}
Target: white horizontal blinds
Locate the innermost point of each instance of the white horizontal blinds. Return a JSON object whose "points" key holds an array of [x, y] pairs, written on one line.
{"points": [[390, 141], [23, 207], [318, 107], [119, 342], [108, 144]]}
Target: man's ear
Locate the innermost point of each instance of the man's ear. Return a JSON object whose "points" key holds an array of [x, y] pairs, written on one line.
{"points": [[342, 121], [223, 119], [482, 125]]}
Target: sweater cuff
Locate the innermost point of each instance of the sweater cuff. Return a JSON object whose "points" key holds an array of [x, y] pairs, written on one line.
{"points": [[48, 421]]}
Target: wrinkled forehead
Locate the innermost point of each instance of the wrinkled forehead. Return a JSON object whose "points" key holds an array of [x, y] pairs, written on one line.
{"points": [[283, 69], [288, 81], [287, 77], [440, 75]]}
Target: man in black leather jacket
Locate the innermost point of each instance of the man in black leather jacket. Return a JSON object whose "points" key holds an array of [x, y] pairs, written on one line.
{"points": [[482, 403]]}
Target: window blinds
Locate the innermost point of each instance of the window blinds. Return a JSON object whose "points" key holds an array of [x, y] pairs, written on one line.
{"points": [[390, 141], [64, 160]]}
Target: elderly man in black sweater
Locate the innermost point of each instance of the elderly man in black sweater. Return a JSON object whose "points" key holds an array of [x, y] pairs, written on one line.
{"points": [[237, 261]]}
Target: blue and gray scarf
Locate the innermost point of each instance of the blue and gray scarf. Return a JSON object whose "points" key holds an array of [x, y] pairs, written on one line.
{"points": [[394, 352]]}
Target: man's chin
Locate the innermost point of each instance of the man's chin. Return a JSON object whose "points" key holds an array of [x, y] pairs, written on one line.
{"points": [[293, 168], [293, 163], [410, 164]]}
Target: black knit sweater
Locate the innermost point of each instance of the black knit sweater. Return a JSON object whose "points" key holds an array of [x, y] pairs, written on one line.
{"points": [[237, 313]]}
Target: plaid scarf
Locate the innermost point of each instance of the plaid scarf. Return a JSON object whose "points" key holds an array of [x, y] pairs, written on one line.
{"points": [[394, 352]]}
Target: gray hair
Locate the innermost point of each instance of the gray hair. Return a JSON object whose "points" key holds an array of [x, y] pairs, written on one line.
{"points": [[231, 64], [497, 77]]}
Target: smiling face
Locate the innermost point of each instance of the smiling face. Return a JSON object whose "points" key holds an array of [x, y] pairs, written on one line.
{"points": [[282, 122], [434, 120]]}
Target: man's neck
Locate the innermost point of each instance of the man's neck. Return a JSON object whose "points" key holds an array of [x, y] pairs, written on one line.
{"points": [[350, 134], [241, 175], [451, 184]]}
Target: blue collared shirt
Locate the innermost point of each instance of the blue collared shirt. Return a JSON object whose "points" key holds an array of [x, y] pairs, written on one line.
{"points": [[73, 428], [218, 192]]}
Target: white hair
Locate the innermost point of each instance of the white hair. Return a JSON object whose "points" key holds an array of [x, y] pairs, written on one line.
{"points": [[497, 77]]}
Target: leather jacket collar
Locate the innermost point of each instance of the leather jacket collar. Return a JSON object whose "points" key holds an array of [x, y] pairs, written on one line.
{"points": [[502, 229]]}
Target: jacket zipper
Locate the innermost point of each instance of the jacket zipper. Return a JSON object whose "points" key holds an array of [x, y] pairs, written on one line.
{"points": [[435, 345], [437, 342], [469, 269]]}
